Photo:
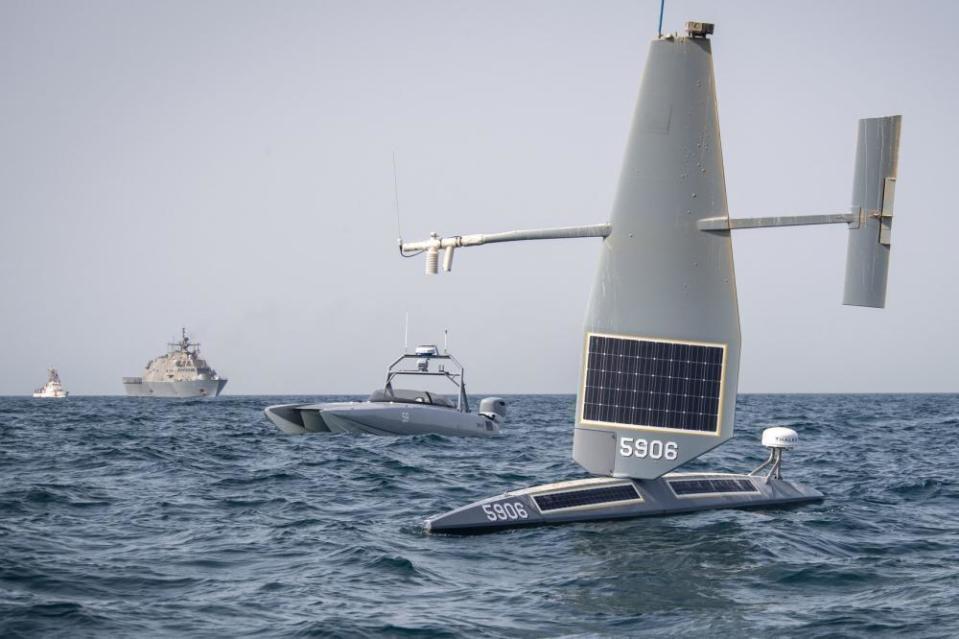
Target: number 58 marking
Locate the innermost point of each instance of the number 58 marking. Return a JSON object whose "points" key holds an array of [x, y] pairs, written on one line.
{"points": [[643, 448]]}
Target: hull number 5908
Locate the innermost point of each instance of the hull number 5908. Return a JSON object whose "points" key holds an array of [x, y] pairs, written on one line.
{"points": [[643, 448]]}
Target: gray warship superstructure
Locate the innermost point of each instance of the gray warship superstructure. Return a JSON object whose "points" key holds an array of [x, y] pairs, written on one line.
{"points": [[181, 372]]}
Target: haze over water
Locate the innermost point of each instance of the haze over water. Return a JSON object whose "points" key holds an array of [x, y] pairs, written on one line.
{"points": [[227, 165]]}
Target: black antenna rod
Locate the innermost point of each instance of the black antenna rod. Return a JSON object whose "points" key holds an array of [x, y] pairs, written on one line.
{"points": [[396, 201]]}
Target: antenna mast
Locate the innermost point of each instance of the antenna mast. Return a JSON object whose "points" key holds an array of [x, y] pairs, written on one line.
{"points": [[396, 202]]}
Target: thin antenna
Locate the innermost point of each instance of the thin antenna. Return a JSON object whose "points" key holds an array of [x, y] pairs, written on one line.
{"points": [[446, 341], [396, 202], [406, 334], [662, 7]]}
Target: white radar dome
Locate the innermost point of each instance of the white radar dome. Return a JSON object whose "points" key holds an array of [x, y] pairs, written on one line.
{"points": [[780, 437]]}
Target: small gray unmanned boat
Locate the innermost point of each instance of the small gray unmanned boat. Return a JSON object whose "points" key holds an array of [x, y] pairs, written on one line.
{"points": [[390, 411]]}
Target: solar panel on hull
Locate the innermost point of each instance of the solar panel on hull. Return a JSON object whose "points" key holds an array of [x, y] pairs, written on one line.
{"points": [[691, 487], [586, 497], [653, 383]]}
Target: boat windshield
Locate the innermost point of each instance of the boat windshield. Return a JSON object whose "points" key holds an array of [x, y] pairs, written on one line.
{"points": [[405, 396]]}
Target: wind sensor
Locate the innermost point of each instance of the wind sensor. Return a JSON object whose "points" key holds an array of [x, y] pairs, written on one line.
{"points": [[661, 345]]}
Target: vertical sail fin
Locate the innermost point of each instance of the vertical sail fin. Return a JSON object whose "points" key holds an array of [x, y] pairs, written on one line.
{"points": [[661, 352]]}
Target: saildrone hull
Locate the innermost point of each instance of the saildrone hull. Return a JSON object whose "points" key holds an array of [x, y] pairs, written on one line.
{"points": [[607, 498]]}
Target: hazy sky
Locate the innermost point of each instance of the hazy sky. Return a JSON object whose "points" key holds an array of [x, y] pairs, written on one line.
{"points": [[227, 166]]}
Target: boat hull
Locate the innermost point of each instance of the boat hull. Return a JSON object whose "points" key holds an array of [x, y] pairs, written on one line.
{"points": [[379, 418], [182, 389], [607, 498]]}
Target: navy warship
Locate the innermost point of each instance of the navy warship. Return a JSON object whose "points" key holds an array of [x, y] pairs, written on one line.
{"points": [[179, 373], [53, 388]]}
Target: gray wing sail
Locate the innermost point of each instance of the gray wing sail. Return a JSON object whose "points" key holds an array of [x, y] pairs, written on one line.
{"points": [[660, 359]]}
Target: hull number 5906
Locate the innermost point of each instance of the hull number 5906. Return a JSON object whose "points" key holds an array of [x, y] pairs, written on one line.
{"points": [[643, 448], [505, 510]]}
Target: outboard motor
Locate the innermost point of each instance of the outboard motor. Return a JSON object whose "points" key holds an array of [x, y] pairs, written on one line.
{"points": [[493, 408]]}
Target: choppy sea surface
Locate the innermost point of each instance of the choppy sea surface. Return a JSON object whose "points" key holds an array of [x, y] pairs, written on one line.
{"points": [[126, 517]]}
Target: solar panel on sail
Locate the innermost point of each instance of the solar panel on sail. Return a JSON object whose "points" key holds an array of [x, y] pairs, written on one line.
{"points": [[653, 383]]}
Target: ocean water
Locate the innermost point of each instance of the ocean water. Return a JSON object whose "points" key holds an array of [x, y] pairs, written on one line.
{"points": [[137, 517]]}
